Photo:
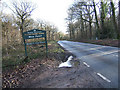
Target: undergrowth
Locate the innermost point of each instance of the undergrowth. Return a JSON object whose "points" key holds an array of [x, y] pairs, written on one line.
{"points": [[15, 55]]}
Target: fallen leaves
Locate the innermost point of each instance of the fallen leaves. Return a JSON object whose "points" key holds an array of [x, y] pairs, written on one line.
{"points": [[21, 74]]}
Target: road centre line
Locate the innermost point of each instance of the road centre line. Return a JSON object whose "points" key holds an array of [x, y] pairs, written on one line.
{"points": [[103, 77], [86, 64], [96, 48], [99, 54], [102, 52]]}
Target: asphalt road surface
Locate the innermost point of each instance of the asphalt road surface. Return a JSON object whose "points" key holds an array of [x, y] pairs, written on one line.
{"points": [[102, 59]]}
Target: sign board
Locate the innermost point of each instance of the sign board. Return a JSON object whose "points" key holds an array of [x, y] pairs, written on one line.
{"points": [[34, 31], [32, 34]]}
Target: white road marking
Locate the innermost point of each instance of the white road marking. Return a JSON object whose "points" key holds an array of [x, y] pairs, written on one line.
{"points": [[115, 55], [103, 77], [86, 64], [100, 54], [96, 48]]}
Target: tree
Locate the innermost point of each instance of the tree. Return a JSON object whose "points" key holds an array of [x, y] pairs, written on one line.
{"points": [[114, 18], [96, 17], [22, 10], [90, 21], [70, 20], [119, 20], [92, 25], [102, 15]]}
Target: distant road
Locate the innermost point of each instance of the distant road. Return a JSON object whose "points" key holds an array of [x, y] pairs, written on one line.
{"points": [[102, 59]]}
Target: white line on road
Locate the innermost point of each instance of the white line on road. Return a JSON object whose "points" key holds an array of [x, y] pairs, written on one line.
{"points": [[95, 48], [103, 77], [100, 54], [86, 64]]}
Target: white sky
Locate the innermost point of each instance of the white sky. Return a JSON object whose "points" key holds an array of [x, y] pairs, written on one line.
{"points": [[53, 11]]}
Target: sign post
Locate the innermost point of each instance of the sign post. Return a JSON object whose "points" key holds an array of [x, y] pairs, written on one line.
{"points": [[32, 34]]}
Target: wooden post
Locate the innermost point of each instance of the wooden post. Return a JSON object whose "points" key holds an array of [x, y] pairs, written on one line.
{"points": [[46, 44]]}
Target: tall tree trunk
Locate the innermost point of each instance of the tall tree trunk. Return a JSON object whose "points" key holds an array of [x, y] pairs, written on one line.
{"points": [[70, 31], [82, 25], [95, 14], [102, 18], [52, 35], [70, 34], [73, 32], [7, 41], [77, 34], [90, 28], [90, 22], [96, 18], [49, 35], [86, 30], [119, 21], [21, 30], [113, 17]]}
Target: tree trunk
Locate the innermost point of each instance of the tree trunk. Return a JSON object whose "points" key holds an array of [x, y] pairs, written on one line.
{"points": [[48, 35], [21, 31], [70, 30], [119, 21], [77, 34], [113, 17], [96, 15], [86, 30], [7, 41], [52, 35], [90, 28], [96, 18], [82, 25], [102, 18], [73, 33], [90, 22]]}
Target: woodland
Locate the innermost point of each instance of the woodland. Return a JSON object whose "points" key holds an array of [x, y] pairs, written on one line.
{"points": [[92, 20]]}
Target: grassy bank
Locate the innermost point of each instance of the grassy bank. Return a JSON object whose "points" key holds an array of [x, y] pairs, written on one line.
{"points": [[17, 72], [15, 55]]}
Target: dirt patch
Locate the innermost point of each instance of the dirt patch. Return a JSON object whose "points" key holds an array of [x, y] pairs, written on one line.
{"points": [[77, 77]]}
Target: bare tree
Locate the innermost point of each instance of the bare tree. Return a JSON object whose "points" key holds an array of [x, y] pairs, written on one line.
{"points": [[96, 17], [22, 10], [113, 16], [70, 20], [119, 20]]}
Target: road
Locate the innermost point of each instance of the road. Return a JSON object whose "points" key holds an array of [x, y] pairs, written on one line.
{"points": [[102, 59]]}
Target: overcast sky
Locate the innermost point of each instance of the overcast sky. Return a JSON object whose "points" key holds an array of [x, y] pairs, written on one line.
{"points": [[53, 11]]}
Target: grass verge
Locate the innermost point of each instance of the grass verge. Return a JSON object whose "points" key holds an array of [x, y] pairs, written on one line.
{"points": [[15, 56], [18, 74]]}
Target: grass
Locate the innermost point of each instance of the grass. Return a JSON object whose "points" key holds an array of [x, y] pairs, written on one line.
{"points": [[16, 56], [54, 48]]}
